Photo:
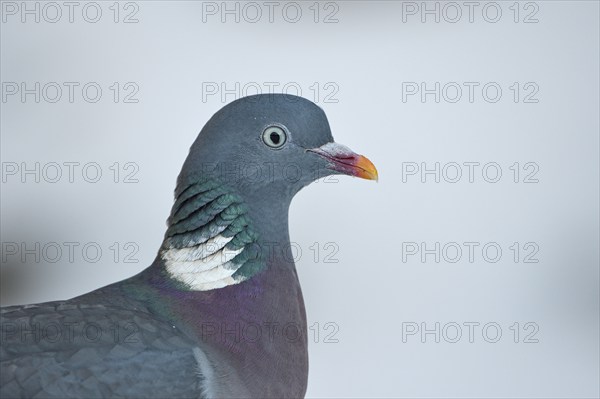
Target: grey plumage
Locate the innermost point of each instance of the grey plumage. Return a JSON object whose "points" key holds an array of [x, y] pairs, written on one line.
{"points": [[89, 347]]}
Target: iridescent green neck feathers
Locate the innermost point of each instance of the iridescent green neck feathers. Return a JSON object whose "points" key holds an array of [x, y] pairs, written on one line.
{"points": [[210, 242]]}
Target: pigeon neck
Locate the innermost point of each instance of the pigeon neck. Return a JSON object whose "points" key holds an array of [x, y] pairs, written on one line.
{"points": [[215, 238]]}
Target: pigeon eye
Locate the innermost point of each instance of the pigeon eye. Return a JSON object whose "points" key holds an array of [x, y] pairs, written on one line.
{"points": [[274, 136]]}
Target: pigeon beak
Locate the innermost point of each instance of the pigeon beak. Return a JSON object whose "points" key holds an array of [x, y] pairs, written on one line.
{"points": [[343, 160]]}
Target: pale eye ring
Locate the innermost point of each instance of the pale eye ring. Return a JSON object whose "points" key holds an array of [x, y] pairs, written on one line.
{"points": [[274, 136]]}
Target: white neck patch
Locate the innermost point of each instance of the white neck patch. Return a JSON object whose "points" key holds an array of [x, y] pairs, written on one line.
{"points": [[203, 267]]}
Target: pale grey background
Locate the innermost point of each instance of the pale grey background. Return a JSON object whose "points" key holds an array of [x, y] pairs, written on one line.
{"points": [[370, 292]]}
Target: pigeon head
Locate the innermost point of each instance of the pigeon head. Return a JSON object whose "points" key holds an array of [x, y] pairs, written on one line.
{"points": [[236, 185], [271, 143]]}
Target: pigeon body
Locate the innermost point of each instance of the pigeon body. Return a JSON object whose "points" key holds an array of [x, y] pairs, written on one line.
{"points": [[220, 312]]}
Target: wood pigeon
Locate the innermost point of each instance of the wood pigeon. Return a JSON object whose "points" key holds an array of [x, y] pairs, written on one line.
{"points": [[219, 313]]}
